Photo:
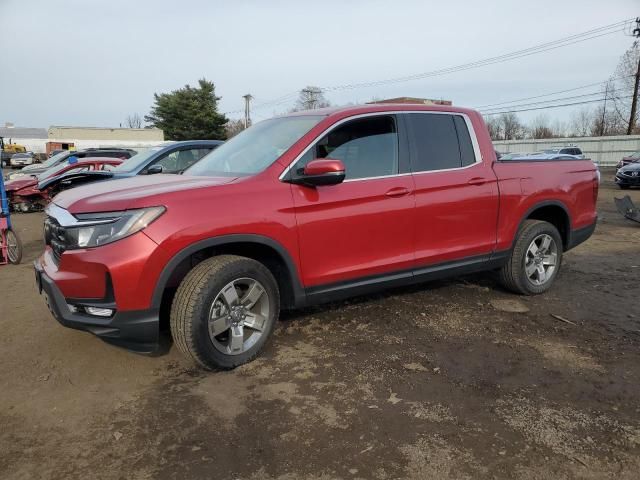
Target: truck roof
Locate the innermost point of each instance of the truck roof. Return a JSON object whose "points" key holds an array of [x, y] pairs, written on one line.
{"points": [[382, 107]]}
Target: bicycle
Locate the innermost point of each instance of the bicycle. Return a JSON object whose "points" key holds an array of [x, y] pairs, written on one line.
{"points": [[10, 244]]}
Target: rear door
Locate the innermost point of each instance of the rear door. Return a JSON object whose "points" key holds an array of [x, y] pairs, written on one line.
{"points": [[456, 192], [362, 227]]}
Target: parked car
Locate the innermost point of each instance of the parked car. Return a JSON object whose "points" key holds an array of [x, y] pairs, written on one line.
{"points": [[175, 157], [633, 158], [628, 176], [302, 209], [56, 152], [512, 155], [24, 196], [19, 160], [65, 155], [570, 150]]}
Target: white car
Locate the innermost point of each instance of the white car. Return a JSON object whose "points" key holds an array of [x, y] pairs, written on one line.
{"points": [[571, 150], [19, 160]]}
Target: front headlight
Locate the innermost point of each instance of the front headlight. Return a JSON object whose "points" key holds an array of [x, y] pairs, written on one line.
{"points": [[102, 228]]}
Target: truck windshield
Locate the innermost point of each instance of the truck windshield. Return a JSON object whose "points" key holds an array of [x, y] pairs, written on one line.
{"points": [[254, 149]]}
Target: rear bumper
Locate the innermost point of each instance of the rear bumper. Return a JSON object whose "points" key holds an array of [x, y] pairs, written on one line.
{"points": [[580, 235], [137, 330]]}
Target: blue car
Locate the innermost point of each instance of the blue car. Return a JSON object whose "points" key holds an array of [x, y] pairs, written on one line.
{"points": [[174, 157]]}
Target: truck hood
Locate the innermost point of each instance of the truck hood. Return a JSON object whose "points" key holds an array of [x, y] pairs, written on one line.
{"points": [[135, 192], [631, 167]]}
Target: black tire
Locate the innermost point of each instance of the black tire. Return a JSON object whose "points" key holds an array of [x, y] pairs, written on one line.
{"points": [[512, 275], [193, 302], [623, 187], [13, 239]]}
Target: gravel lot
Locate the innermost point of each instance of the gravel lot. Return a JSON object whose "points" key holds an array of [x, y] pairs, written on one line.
{"points": [[434, 382]]}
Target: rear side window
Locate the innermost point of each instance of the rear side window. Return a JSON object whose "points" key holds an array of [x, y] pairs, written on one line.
{"points": [[467, 155], [440, 142]]}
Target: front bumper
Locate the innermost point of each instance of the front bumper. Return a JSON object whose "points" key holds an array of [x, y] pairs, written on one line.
{"points": [[136, 330], [628, 180]]}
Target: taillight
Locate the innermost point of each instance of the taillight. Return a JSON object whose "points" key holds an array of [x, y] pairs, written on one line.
{"points": [[596, 186]]}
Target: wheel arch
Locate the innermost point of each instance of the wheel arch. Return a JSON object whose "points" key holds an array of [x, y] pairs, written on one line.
{"points": [[554, 212], [264, 249]]}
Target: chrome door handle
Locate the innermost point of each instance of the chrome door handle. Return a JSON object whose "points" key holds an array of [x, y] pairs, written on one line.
{"points": [[477, 181], [398, 192]]}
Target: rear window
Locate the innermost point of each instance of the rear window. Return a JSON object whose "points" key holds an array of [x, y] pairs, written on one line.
{"points": [[441, 142]]}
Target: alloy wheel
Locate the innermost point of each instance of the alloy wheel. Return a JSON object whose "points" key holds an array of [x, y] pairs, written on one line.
{"points": [[541, 259], [238, 316]]}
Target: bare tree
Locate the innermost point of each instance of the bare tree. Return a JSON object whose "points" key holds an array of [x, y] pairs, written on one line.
{"points": [[311, 98], [581, 122], [233, 127], [540, 128], [607, 122], [559, 128], [493, 125], [622, 89], [133, 121], [512, 129]]}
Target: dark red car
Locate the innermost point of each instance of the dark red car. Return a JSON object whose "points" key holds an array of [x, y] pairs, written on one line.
{"points": [[301, 209], [633, 158], [24, 196]]}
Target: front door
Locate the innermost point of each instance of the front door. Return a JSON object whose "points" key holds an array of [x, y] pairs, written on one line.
{"points": [[362, 227]]}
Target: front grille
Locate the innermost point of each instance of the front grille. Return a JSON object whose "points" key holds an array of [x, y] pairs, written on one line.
{"points": [[55, 236]]}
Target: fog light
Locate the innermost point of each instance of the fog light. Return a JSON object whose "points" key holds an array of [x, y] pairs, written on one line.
{"points": [[72, 308], [99, 312]]}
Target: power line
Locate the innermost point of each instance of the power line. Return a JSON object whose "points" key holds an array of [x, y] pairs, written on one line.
{"points": [[573, 97], [544, 47], [555, 106], [613, 79], [578, 38]]}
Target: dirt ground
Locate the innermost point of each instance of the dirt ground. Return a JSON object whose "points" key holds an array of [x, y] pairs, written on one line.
{"points": [[438, 381]]}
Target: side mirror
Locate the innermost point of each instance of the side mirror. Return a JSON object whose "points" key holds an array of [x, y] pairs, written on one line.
{"points": [[321, 171], [153, 169]]}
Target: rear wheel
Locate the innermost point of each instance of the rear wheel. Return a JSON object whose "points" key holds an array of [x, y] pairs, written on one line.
{"points": [[224, 311], [535, 259]]}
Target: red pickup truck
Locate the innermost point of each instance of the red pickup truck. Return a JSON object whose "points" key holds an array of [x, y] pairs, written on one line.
{"points": [[300, 209]]}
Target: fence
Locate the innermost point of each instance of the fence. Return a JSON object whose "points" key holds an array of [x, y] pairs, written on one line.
{"points": [[605, 151]]}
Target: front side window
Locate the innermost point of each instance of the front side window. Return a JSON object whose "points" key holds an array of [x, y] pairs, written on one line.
{"points": [[440, 142], [368, 147]]}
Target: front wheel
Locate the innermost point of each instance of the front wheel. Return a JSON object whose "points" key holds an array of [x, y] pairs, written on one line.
{"points": [[535, 259], [224, 311]]}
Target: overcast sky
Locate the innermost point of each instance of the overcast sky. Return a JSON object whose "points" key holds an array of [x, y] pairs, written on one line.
{"points": [[92, 63]]}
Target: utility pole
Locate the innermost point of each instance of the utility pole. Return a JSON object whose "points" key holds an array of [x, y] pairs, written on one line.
{"points": [[634, 100], [603, 125], [247, 111]]}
